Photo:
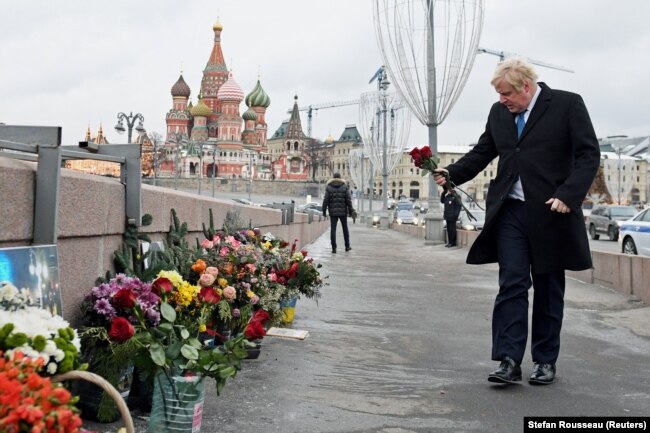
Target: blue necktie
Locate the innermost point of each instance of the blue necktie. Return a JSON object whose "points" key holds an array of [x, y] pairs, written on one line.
{"points": [[520, 122]]}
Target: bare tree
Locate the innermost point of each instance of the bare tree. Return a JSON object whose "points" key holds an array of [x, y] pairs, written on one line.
{"points": [[317, 155]]}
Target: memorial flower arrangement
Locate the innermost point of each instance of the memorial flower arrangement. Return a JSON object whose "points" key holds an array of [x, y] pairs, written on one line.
{"points": [[172, 345], [424, 160], [107, 327], [30, 402], [236, 267], [36, 332], [298, 272]]}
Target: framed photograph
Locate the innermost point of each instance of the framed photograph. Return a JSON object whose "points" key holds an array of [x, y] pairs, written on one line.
{"points": [[35, 268]]}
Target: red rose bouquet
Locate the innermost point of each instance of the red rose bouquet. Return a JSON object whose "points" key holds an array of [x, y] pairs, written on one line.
{"points": [[424, 160]]}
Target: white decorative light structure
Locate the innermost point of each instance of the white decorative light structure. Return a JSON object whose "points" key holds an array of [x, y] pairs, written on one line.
{"points": [[428, 47], [385, 124], [360, 168]]}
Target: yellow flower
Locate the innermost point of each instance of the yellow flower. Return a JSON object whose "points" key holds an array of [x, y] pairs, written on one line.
{"points": [[223, 282], [185, 294], [202, 327], [250, 294], [219, 291], [172, 276], [266, 245]]}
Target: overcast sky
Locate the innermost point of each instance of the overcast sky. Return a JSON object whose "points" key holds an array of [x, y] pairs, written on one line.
{"points": [[74, 63]]}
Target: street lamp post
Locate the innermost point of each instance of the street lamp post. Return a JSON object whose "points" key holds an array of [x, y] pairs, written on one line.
{"points": [[155, 161], [214, 167], [200, 144], [130, 121], [178, 139]]}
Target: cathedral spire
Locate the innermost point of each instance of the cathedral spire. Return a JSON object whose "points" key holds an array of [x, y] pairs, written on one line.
{"points": [[294, 129]]}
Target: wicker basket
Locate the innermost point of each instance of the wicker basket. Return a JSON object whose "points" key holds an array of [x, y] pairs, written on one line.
{"points": [[107, 387]]}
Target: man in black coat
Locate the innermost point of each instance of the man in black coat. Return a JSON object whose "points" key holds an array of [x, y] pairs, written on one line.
{"points": [[534, 228], [338, 202], [450, 214]]}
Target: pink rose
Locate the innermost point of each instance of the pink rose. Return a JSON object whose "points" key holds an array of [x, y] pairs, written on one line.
{"points": [[216, 239], [223, 252], [212, 270], [229, 293], [206, 280], [273, 277], [207, 244]]}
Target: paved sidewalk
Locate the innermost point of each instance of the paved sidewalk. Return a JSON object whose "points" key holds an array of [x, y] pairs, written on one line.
{"points": [[400, 342]]}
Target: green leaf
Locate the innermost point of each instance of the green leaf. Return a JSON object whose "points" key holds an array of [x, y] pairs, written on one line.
{"points": [[168, 312], [166, 327], [157, 354], [190, 352], [185, 334], [194, 342], [173, 350], [227, 372]]}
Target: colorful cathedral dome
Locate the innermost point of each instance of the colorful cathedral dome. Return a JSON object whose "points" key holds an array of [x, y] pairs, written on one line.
{"points": [[249, 114], [258, 97], [200, 109], [180, 88], [230, 90]]}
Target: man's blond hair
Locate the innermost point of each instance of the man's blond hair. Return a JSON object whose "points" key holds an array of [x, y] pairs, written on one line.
{"points": [[514, 71]]}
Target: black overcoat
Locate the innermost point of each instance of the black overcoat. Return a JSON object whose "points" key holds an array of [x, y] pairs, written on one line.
{"points": [[557, 156]]}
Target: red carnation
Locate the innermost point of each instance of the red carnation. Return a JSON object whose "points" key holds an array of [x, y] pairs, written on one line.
{"points": [[124, 298], [162, 286], [121, 330]]}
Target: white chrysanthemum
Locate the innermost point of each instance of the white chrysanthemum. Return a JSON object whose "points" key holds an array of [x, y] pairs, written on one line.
{"points": [[297, 256], [7, 291], [51, 368], [59, 355]]}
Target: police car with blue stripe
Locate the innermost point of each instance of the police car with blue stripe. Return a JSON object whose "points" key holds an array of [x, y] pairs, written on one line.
{"points": [[634, 234]]}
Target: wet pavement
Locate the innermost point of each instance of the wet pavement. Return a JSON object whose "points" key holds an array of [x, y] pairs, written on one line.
{"points": [[400, 342]]}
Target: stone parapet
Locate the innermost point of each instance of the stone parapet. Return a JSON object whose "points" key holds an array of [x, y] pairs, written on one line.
{"points": [[91, 221]]}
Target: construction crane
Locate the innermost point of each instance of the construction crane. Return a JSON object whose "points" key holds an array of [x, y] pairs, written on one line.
{"points": [[311, 108], [503, 54]]}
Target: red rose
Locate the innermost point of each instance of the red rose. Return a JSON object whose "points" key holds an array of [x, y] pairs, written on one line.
{"points": [[415, 153], [417, 157], [260, 316], [209, 295], [254, 331], [304, 253], [124, 298], [121, 330], [425, 152], [162, 286]]}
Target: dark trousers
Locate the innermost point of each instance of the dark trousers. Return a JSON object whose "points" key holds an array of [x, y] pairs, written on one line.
{"points": [[451, 231], [344, 226], [510, 315]]}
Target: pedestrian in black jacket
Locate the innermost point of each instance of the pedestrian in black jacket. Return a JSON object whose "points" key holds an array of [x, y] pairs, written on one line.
{"points": [[338, 202], [451, 213]]}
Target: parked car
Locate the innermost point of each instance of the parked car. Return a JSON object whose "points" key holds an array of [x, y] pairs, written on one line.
{"points": [[465, 223], [603, 220], [634, 234], [405, 216], [244, 201], [317, 208]]}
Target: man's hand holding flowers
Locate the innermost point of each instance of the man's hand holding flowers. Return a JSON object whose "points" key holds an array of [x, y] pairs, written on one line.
{"points": [[424, 160]]}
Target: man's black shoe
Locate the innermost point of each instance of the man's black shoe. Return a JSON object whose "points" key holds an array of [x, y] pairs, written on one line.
{"points": [[447, 246], [543, 374], [333, 251], [509, 371], [348, 248]]}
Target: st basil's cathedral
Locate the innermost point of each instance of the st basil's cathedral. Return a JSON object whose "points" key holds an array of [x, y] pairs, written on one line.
{"points": [[213, 129]]}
